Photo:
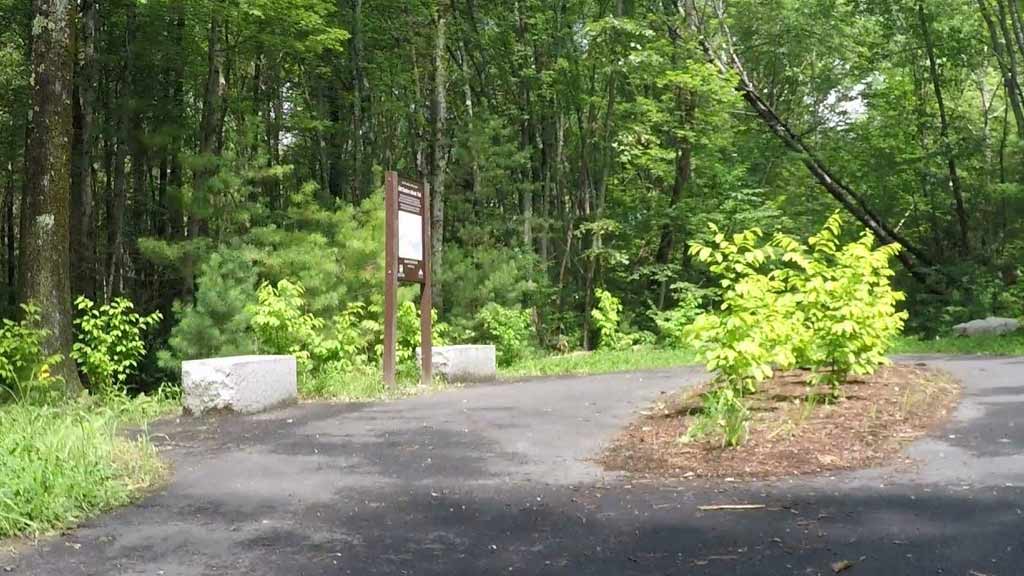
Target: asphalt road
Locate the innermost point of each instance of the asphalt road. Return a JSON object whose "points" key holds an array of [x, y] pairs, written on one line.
{"points": [[496, 480]]}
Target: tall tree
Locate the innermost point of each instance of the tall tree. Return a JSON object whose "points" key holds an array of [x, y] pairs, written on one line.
{"points": [[82, 201], [955, 185], [439, 149], [45, 238]]}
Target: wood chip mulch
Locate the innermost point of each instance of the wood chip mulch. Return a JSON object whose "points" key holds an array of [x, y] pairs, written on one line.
{"points": [[877, 417]]}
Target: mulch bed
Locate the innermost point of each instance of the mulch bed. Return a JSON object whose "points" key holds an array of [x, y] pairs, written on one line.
{"points": [[788, 436]]}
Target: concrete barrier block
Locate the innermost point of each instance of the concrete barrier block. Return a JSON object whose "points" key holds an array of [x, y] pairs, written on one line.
{"points": [[243, 384], [465, 364], [987, 327]]}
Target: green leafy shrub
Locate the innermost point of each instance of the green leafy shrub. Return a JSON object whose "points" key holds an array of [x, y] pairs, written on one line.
{"points": [[409, 336], [354, 339], [474, 278], [690, 304], [109, 341], [24, 367], [508, 329], [607, 317], [334, 254], [758, 320], [847, 303], [830, 307], [281, 324]]}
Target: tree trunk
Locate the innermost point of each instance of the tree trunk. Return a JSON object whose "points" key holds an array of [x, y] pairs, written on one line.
{"points": [[359, 185], [210, 139], [82, 201], [175, 176], [1018, 26], [955, 185], [9, 238], [439, 152], [598, 187], [683, 174], [526, 132], [115, 220], [1009, 73], [45, 235]]}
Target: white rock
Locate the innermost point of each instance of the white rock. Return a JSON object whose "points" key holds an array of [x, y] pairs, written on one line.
{"points": [[987, 327], [467, 363], [243, 384]]}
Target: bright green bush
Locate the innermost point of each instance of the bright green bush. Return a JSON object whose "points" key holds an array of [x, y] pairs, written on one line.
{"points": [[847, 303], [281, 324], [508, 329], [409, 336], [108, 341], [355, 339], [758, 319], [607, 317], [830, 307], [24, 367]]}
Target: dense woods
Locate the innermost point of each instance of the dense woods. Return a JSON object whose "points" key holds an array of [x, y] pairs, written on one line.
{"points": [[180, 153]]}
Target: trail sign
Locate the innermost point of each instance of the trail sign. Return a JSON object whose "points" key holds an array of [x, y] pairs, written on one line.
{"points": [[410, 232], [406, 259]]}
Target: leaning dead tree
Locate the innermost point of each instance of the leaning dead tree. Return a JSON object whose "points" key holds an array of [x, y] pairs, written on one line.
{"points": [[719, 48]]}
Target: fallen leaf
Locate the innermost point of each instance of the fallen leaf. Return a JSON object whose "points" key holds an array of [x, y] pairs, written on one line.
{"points": [[841, 566]]}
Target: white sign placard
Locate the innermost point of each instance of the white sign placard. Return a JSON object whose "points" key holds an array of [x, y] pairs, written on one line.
{"points": [[410, 236]]}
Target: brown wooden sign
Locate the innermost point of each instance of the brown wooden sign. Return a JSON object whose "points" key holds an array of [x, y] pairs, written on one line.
{"points": [[407, 259]]}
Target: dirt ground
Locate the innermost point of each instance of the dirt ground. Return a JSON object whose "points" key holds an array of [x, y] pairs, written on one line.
{"points": [[789, 434]]}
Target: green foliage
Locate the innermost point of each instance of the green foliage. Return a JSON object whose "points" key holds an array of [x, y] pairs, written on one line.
{"points": [[599, 362], [281, 324], [690, 304], [24, 367], [475, 278], [830, 308], [218, 323], [508, 329], [410, 337], [608, 321], [758, 320], [847, 303], [355, 339], [722, 411], [109, 341]]}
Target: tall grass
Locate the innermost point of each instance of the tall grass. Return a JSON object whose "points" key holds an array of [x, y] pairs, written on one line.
{"points": [[363, 384], [1009, 345], [61, 464], [600, 362]]}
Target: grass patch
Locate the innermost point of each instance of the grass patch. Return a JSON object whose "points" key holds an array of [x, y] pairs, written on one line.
{"points": [[1009, 345], [62, 464], [599, 362], [363, 385]]}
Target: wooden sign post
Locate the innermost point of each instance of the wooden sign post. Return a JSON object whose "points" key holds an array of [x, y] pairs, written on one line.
{"points": [[407, 259]]}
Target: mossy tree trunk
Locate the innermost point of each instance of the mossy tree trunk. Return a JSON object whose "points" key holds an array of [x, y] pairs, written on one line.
{"points": [[45, 248]]}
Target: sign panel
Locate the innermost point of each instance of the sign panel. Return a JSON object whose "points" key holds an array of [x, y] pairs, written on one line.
{"points": [[411, 220]]}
